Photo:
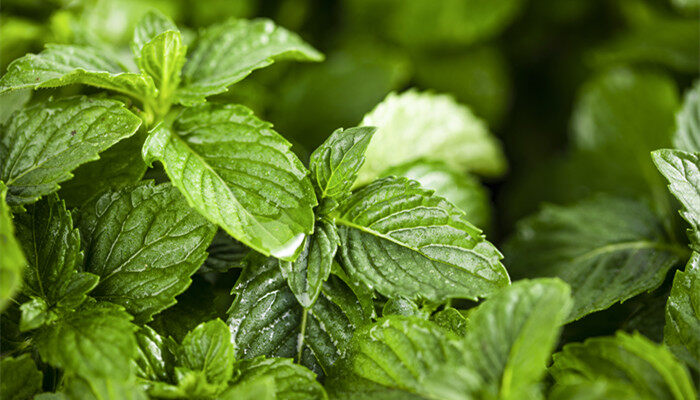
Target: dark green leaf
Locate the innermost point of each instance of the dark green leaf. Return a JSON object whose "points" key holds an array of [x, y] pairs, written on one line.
{"points": [[144, 242], [334, 165], [608, 249], [54, 259], [226, 53], [402, 240], [42, 144], [21, 379], [240, 174], [648, 370], [225, 253], [12, 261], [265, 318], [307, 273]]}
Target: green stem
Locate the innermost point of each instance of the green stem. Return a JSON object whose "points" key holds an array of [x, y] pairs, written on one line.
{"points": [[302, 332]]}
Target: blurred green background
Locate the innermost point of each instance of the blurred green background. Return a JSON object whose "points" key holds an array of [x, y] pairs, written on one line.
{"points": [[534, 70]]}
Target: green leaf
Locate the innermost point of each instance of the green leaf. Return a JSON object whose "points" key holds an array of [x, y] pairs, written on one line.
{"points": [[35, 313], [76, 388], [226, 53], [452, 320], [95, 341], [259, 389], [162, 59], [400, 353], [648, 370], [619, 117], [581, 389], [12, 261], [119, 166], [402, 240], [152, 24], [291, 381], [682, 171], [154, 358], [512, 335], [240, 174], [265, 318], [21, 379], [307, 273], [414, 125], [208, 348], [462, 190], [43, 143], [54, 259], [63, 64], [682, 330], [687, 135], [144, 242], [334, 164], [608, 249]]}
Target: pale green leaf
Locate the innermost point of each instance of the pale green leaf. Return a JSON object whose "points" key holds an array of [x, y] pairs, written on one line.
{"points": [[21, 379], [95, 341], [240, 174], [645, 368], [512, 335], [54, 259], [265, 318], [259, 389], [291, 381], [414, 125], [682, 330], [687, 135], [334, 165], [151, 24], [226, 53], [63, 64], [162, 59], [460, 189], [208, 348], [42, 144], [607, 249], [144, 242], [682, 170], [307, 273], [400, 239], [12, 261], [76, 388], [407, 354]]}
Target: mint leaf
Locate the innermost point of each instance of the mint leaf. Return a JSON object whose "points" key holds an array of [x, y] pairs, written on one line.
{"points": [[228, 52], [12, 261], [580, 389], [607, 249], [462, 190], [682, 170], [259, 389], [291, 381], [402, 240], [682, 330], [512, 335], [152, 24], [208, 348], [687, 135], [63, 64], [76, 388], [414, 125], [307, 273], [452, 320], [54, 259], [265, 318], [43, 143], [154, 355], [648, 370], [20, 378], [120, 165], [399, 353], [144, 242], [334, 164], [240, 174], [95, 341]]}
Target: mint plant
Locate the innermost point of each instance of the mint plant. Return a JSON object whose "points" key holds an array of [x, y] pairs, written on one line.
{"points": [[159, 241]]}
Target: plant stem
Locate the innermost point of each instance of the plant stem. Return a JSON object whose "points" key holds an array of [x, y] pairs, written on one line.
{"points": [[300, 338]]}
